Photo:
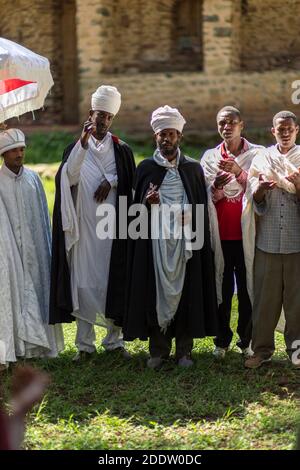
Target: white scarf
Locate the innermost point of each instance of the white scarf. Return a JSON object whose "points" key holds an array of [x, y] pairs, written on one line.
{"points": [[232, 190], [170, 255], [69, 208], [274, 166]]}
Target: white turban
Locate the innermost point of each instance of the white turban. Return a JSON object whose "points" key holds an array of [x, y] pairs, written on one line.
{"points": [[106, 98], [167, 118], [11, 139]]}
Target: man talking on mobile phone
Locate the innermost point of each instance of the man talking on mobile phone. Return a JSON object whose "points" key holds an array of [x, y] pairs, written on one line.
{"points": [[88, 273]]}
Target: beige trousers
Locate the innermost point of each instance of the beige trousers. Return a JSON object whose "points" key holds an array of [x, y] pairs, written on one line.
{"points": [[276, 285]]}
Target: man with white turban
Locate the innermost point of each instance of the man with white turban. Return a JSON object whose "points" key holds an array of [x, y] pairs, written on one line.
{"points": [[88, 272], [172, 285], [25, 255]]}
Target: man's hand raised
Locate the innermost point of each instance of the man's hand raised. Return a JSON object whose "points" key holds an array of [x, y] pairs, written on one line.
{"points": [[295, 179], [230, 166], [263, 187], [88, 129], [152, 196]]}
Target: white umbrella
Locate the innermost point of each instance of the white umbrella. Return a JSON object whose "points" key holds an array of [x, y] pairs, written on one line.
{"points": [[25, 80]]}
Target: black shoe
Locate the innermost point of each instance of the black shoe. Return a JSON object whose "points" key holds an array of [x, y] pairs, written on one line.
{"points": [[82, 356], [155, 362], [185, 361], [122, 351]]}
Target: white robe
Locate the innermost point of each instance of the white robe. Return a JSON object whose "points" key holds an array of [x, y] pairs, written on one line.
{"points": [[25, 245], [89, 257]]}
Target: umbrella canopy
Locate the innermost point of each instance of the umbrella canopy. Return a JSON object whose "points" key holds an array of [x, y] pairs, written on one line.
{"points": [[25, 80]]}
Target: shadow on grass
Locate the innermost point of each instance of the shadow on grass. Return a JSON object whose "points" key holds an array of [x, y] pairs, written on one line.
{"points": [[127, 389]]}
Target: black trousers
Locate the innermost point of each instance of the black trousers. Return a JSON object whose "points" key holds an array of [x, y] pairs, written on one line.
{"points": [[160, 344], [234, 266]]}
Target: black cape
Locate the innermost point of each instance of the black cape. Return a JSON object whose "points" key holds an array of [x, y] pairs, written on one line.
{"points": [[61, 306], [197, 310]]}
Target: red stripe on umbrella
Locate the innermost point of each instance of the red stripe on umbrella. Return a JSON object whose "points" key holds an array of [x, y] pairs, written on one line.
{"points": [[12, 84]]}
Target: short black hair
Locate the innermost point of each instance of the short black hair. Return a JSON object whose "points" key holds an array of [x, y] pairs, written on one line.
{"points": [[285, 115], [231, 110]]}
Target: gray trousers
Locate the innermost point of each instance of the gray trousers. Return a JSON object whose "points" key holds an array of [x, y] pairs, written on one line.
{"points": [[85, 337], [276, 285]]}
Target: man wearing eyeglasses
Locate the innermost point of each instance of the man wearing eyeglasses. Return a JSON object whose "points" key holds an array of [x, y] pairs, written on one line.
{"points": [[226, 170]]}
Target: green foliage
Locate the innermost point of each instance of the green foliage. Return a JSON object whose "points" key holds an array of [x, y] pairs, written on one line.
{"points": [[47, 147], [49, 187]]}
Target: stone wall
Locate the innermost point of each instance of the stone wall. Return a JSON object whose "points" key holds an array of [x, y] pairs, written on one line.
{"points": [[221, 36], [270, 35], [47, 27], [194, 54], [32, 24], [128, 36], [198, 94], [199, 97]]}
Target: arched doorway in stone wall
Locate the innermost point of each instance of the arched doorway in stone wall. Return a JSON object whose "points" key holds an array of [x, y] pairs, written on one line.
{"points": [[187, 35]]}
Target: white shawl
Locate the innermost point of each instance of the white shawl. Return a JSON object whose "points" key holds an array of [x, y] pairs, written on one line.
{"points": [[232, 190], [170, 253], [273, 166]]}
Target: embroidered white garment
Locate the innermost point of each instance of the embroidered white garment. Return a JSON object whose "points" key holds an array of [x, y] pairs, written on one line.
{"points": [[89, 257], [232, 190], [10, 305], [170, 254], [24, 217]]}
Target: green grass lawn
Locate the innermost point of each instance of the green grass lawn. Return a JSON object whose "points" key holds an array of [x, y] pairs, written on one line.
{"points": [[109, 403]]}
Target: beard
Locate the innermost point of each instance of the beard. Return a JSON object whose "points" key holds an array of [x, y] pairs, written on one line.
{"points": [[100, 132], [168, 151]]}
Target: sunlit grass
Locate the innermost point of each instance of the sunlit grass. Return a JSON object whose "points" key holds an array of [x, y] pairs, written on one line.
{"points": [[108, 403]]}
